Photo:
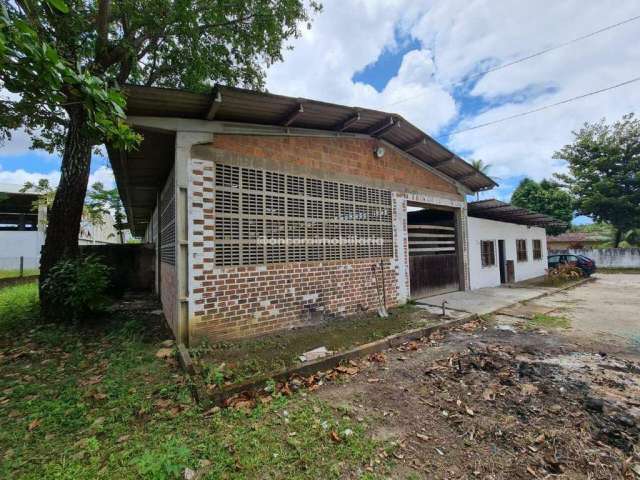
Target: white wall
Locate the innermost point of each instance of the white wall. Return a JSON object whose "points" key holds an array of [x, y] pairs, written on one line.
{"points": [[481, 229], [16, 244], [609, 257]]}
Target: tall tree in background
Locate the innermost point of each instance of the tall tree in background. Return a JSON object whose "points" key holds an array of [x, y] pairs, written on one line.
{"points": [[102, 201], [604, 173], [64, 61], [545, 197]]}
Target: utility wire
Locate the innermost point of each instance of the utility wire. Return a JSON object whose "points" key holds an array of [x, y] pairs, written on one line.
{"points": [[544, 107], [533, 55]]}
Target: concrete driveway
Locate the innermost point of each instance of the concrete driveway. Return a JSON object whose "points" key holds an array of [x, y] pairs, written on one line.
{"points": [[484, 300], [607, 309]]}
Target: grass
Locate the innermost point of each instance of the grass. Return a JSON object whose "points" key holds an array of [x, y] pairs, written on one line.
{"points": [[548, 321], [93, 401], [618, 270], [16, 273], [234, 362]]}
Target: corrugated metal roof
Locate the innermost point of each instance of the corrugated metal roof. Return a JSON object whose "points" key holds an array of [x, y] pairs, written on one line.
{"points": [[248, 106], [505, 212]]}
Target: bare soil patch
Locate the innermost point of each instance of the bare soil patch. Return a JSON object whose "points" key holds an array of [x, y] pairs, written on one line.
{"points": [[498, 404], [223, 364]]}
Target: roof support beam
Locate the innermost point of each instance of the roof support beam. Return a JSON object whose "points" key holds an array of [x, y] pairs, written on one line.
{"points": [[292, 115], [341, 127], [381, 127], [444, 162], [413, 146], [465, 176], [215, 105]]}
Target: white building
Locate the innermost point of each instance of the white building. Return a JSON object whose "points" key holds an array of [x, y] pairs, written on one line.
{"points": [[506, 244], [23, 230]]}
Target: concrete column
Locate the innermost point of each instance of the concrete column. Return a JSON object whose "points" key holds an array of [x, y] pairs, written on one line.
{"points": [[184, 228]]}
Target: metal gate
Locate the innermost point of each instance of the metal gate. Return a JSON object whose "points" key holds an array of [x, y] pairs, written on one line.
{"points": [[433, 260]]}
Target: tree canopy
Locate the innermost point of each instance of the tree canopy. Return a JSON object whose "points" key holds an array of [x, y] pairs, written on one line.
{"points": [[54, 55], [545, 197], [604, 172], [64, 61]]}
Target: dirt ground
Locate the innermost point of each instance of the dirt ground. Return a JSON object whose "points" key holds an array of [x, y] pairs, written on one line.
{"points": [[494, 402], [607, 309]]}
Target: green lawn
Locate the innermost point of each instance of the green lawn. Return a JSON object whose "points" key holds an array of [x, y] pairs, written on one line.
{"points": [[16, 273], [93, 401]]}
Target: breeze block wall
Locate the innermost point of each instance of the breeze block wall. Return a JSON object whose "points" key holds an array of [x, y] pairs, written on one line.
{"points": [[243, 301]]}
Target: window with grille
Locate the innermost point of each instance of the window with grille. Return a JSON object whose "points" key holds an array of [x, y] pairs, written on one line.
{"points": [[521, 249], [487, 253], [168, 223], [271, 217], [537, 249]]}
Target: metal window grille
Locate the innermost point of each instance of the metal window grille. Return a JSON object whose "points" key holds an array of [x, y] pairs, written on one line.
{"points": [[487, 253], [270, 217], [537, 249], [521, 249], [168, 222]]}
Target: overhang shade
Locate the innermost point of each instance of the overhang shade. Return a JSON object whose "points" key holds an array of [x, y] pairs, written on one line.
{"points": [[505, 212], [247, 106]]}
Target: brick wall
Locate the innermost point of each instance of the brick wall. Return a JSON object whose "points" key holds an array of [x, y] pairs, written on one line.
{"points": [[169, 294], [233, 302], [350, 156]]}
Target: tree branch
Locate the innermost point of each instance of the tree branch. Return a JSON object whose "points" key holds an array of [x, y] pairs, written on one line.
{"points": [[102, 26]]}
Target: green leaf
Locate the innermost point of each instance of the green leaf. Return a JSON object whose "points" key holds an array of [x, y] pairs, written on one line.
{"points": [[58, 5]]}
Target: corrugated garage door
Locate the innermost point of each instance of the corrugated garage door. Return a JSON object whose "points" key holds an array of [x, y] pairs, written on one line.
{"points": [[433, 260]]}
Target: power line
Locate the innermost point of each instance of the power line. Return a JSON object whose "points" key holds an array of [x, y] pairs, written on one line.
{"points": [[544, 107], [533, 55]]}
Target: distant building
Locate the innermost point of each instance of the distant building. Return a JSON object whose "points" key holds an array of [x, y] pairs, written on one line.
{"points": [[23, 230], [568, 240]]}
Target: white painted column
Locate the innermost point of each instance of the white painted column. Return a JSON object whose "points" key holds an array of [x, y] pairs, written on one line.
{"points": [[184, 227], [401, 242]]}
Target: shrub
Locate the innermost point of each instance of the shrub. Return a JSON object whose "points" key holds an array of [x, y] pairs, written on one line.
{"points": [[563, 273], [77, 286]]}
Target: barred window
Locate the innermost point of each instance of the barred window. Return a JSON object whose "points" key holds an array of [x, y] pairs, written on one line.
{"points": [[487, 253], [521, 249], [270, 217], [537, 249], [168, 223]]}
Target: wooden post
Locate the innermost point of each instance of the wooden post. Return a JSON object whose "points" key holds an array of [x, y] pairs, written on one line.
{"points": [[21, 265]]}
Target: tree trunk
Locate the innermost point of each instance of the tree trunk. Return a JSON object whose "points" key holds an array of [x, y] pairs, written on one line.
{"points": [[63, 225], [618, 238]]}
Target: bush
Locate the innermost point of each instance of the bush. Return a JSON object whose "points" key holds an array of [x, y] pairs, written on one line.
{"points": [[563, 273], [77, 286]]}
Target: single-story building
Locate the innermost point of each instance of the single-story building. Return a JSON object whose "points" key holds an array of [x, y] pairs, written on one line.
{"points": [[576, 240], [506, 243], [270, 212], [23, 228]]}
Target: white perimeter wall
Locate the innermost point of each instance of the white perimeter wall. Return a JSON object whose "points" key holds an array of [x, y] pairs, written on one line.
{"points": [[16, 244], [481, 229]]}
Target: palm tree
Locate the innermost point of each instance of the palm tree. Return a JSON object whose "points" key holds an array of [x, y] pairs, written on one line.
{"points": [[482, 168]]}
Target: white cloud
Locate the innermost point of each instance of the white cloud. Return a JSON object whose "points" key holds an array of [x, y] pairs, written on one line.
{"points": [[19, 177], [19, 144], [346, 38], [103, 175], [459, 38]]}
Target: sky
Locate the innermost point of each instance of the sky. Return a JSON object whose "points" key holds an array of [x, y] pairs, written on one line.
{"points": [[424, 60]]}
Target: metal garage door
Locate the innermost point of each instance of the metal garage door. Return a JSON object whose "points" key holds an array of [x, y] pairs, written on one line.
{"points": [[433, 260]]}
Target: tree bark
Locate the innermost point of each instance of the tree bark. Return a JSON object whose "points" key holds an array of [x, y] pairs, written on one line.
{"points": [[63, 226], [618, 238]]}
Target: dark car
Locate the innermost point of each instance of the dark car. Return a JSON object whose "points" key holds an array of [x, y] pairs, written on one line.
{"points": [[585, 264]]}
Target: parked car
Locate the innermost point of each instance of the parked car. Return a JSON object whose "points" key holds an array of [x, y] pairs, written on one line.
{"points": [[587, 265]]}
